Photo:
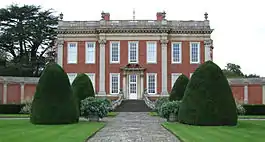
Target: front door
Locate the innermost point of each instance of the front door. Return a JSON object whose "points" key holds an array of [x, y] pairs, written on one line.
{"points": [[133, 86]]}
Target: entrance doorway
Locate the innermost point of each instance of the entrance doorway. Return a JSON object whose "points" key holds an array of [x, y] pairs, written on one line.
{"points": [[132, 86]]}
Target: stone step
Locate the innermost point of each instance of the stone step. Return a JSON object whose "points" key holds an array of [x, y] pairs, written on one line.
{"points": [[133, 106]]}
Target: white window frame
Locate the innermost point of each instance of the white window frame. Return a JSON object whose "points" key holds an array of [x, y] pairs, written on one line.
{"points": [[180, 53], [147, 53], [191, 74], [92, 79], [68, 59], [173, 81], [147, 78], [111, 61], [199, 54], [71, 74], [114, 74], [94, 54], [137, 51]]}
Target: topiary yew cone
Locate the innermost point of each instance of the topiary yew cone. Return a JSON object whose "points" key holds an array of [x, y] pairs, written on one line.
{"points": [[54, 102], [208, 98], [178, 89], [82, 88]]}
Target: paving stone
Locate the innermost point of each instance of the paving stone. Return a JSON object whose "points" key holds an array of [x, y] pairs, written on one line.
{"points": [[133, 127]]}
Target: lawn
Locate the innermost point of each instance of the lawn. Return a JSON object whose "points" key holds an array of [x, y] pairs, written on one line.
{"points": [[152, 113], [112, 114], [251, 116], [13, 115], [240, 116], [24, 131], [245, 131]]}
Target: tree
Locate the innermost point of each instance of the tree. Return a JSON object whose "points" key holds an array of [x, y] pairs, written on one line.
{"points": [[252, 76], [233, 71], [54, 102], [27, 34], [179, 88], [82, 88], [208, 99]]}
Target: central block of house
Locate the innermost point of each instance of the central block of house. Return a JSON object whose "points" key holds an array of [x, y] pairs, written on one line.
{"points": [[133, 55]]}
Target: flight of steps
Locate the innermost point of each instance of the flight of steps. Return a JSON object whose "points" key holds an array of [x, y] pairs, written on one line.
{"points": [[133, 106]]}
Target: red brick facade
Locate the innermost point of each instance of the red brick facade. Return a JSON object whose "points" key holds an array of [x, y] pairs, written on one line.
{"points": [[160, 31], [256, 94]]}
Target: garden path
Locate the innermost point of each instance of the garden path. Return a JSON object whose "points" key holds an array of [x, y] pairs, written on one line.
{"points": [[133, 127]]}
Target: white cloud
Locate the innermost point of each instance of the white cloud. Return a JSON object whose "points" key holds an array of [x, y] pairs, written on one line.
{"points": [[239, 24]]}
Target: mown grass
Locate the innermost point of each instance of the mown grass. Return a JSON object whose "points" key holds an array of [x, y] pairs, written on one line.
{"points": [[24, 131], [112, 114], [245, 131]]}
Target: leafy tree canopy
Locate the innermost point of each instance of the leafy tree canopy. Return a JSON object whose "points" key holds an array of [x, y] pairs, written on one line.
{"points": [[27, 34], [234, 71]]}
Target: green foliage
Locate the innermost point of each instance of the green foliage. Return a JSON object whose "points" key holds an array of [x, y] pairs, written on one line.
{"points": [[107, 103], [54, 102], [240, 108], [179, 87], [252, 76], [26, 109], [234, 71], [159, 102], [82, 88], [208, 98], [93, 107], [27, 36], [169, 107]]}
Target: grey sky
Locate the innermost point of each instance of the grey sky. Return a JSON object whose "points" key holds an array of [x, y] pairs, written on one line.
{"points": [[239, 35]]}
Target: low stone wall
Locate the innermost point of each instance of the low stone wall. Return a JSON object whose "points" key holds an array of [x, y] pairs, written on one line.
{"points": [[18, 89]]}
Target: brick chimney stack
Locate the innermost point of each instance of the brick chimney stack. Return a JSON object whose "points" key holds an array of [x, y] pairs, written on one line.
{"points": [[105, 16], [160, 16]]}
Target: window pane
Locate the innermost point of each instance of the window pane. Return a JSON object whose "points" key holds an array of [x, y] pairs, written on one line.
{"points": [[90, 53], [133, 52], [194, 52], [174, 77], [151, 52], [176, 52], [72, 53], [115, 52], [114, 83], [151, 84], [92, 78]]}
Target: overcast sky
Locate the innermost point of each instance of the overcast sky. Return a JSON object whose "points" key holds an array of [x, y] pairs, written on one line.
{"points": [[239, 25]]}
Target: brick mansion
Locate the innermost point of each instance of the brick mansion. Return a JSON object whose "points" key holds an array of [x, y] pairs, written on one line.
{"points": [[133, 56]]}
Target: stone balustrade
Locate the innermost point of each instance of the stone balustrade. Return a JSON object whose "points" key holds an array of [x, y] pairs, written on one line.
{"points": [[111, 25]]}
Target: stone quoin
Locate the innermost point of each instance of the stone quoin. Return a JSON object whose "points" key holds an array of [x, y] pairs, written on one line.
{"points": [[132, 56]]}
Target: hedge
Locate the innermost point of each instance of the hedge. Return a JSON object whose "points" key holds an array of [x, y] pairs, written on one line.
{"points": [[54, 102], [10, 108], [208, 98], [258, 109], [179, 87]]}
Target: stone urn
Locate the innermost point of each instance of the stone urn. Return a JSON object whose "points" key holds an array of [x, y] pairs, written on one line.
{"points": [[93, 118], [172, 117]]}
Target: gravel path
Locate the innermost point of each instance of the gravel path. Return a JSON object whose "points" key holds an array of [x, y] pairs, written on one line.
{"points": [[133, 127]]}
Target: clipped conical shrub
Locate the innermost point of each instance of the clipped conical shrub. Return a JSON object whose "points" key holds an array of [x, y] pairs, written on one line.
{"points": [[82, 88], [179, 88], [208, 98], [54, 102]]}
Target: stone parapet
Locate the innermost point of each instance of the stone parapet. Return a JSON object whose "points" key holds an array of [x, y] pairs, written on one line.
{"points": [[110, 26], [15, 80], [244, 81]]}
